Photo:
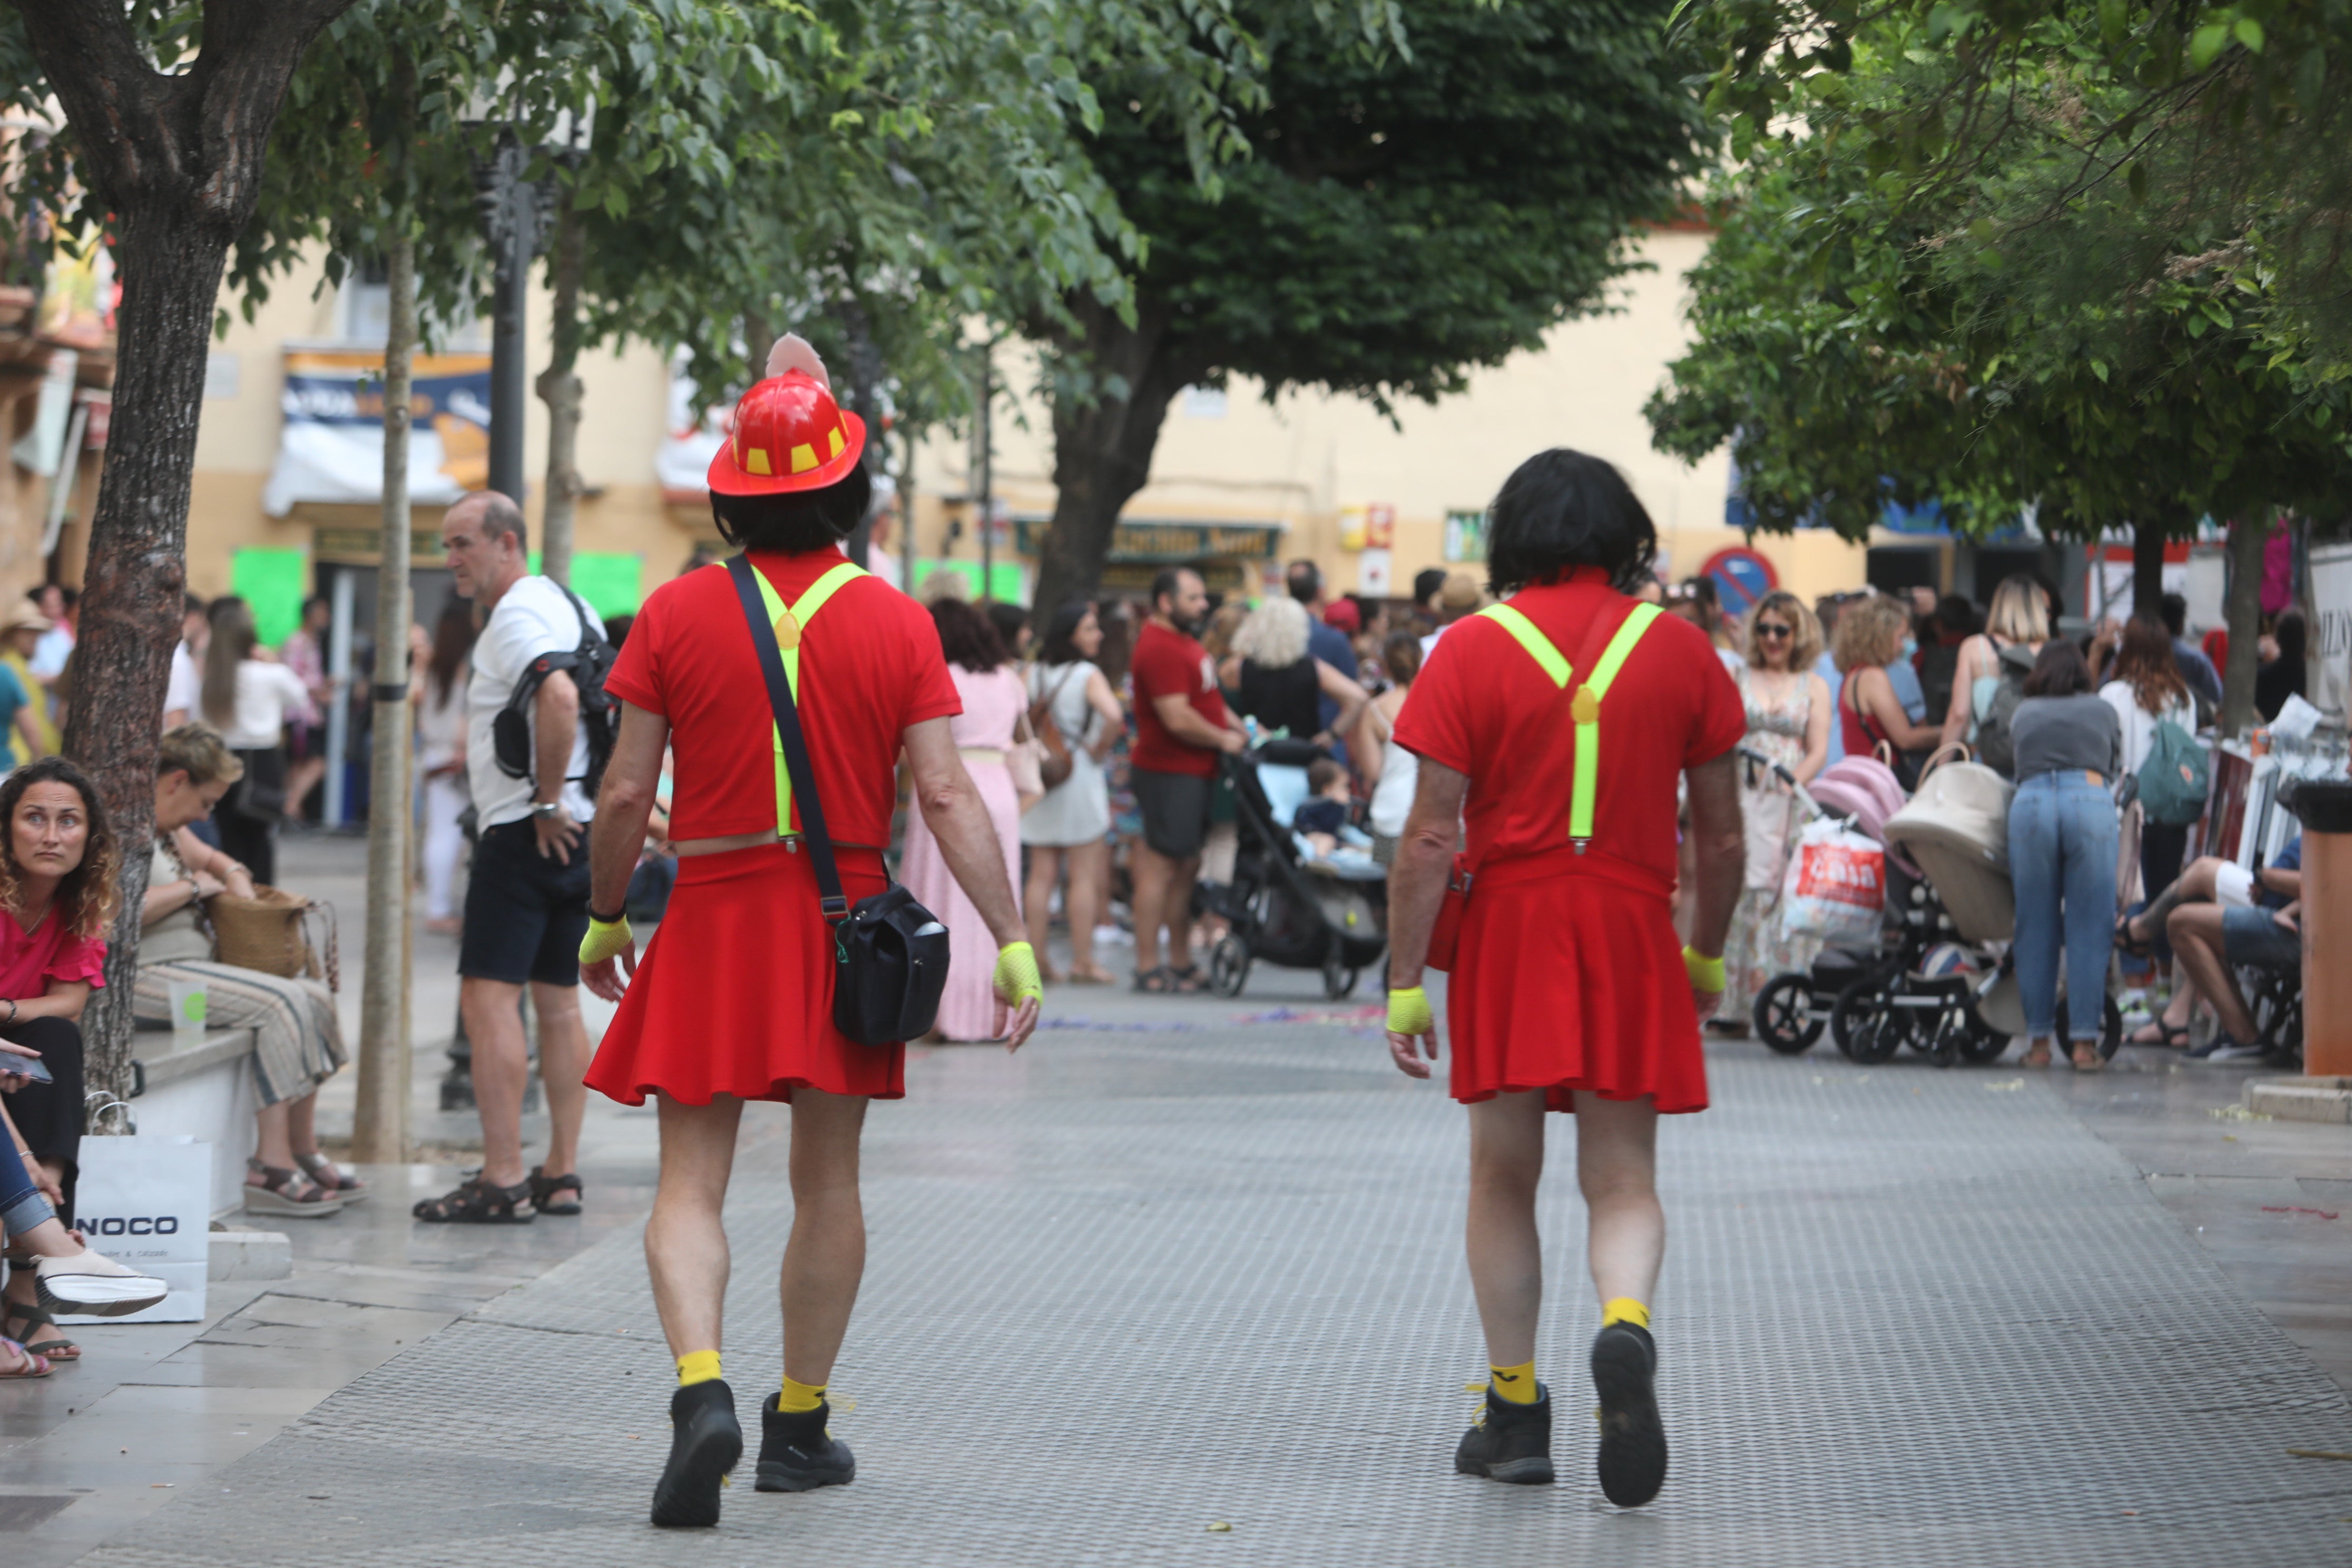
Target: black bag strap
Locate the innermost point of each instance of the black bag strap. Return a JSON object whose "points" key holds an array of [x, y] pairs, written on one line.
{"points": [[788, 730]]}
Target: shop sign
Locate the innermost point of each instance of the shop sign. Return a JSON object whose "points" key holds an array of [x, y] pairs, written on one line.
{"points": [[331, 448], [1465, 536], [1173, 541]]}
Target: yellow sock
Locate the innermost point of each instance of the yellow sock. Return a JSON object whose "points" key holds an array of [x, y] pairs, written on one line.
{"points": [[798, 1398], [1514, 1384], [1624, 1309], [696, 1366]]}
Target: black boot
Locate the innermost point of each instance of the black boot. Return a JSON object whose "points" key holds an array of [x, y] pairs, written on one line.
{"points": [[1511, 1442], [796, 1453], [1632, 1436], [705, 1441]]}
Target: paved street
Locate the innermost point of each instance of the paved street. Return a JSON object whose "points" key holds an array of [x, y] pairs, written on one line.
{"points": [[1178, 1267]]}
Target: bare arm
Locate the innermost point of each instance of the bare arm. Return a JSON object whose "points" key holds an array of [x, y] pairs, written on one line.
{"points": [[1721, 858], [1351, 697], [624, 806], [953, 811], [1817, 732], [1105, 703], [1963, 704], [1424, 859], [1184, 722], [1874, 695], [555, 715], [63, 999]]}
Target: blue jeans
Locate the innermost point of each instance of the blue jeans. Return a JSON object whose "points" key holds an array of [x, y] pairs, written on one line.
{"points": [[2061, 859], [21, 1204]]}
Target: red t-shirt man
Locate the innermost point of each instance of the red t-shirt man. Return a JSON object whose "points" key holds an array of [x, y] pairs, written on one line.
{"points": [[1172, 770]]}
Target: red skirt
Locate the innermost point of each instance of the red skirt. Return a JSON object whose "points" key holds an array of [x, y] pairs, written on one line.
{"points": [[734, 994], [1570, 978]]}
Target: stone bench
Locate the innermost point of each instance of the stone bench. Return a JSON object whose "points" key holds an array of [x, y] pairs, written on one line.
{"points": [[2301, 1098], [203, 1092]]}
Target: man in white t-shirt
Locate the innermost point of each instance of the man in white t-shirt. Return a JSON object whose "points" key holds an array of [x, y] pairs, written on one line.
{"points": [[184, 695], [527, 899]]}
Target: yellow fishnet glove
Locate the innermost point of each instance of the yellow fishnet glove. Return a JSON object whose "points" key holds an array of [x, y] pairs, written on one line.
{"points": [[1016, 979], [606, 939], [1705, 973], [1409, 1012]]}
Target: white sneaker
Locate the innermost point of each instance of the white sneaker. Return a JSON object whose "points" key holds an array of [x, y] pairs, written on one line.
{"points": [[2239, 1054], [95, 1284]]}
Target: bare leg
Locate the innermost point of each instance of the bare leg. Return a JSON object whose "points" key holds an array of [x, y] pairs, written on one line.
{"points": [[1082, 900], [563, 1071], [1177, 910], [493, 1014], [2196, 934], [301, 782], [302, 1124], [276, 1145], [1037, 904], [685, 1244], [1616, 1167], [826, 1258], [2193, 886], [1153, 872], [1505, 1251]]}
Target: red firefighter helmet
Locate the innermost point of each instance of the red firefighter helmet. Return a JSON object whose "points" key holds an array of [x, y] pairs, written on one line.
{"points": [[789, 435]]}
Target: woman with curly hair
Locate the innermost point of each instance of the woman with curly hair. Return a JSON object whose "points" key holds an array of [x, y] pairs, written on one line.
{"points": [[60, 868]]}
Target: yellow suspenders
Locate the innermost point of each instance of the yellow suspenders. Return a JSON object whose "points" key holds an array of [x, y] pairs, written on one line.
{"points": [[1584, 708], [789, 625]]}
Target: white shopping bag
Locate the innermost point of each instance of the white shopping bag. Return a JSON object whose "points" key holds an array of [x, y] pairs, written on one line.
{"points": [[146, 1202], [1836, 886]]}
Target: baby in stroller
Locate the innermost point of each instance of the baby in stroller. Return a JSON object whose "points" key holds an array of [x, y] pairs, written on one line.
{"points": [[1329, 841]]}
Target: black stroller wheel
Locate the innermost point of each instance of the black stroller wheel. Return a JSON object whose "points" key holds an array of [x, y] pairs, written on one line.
{"points": [[1339, 981], [1865, 1027], [1229, 966], [1981, 1044], [1784, 1014], [2111, 1029]]}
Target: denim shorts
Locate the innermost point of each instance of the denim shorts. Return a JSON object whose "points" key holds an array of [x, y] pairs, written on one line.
{"points": [[525, 911], [2255, 936]]}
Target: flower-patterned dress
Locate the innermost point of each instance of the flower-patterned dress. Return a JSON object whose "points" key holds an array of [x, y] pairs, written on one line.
{"points": [[1756, 950]]}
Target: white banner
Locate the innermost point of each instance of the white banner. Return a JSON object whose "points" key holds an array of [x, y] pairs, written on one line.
{"points": [[146, 1202]]}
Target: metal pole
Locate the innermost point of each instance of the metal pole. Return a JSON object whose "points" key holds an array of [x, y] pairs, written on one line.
{"points": [[509, 206], [380, 1120], [987, 479], [339, 685]]}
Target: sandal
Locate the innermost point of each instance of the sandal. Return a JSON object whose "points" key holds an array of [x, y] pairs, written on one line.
{"points": [[335, 1179], [288, 1195], [2086, 1057], [1188, 981], [476, 1202], [2168, 1036], [2135, 946], [23, 1364], [1160, 981], [546, 1192], [36, 1318]]}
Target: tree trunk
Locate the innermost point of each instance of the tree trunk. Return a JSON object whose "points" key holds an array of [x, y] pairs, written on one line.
{"points": [[864, 399], [2245, 615], [559, 388], [380, 1124], [1103, 442], [2147, 566], [176, 161]]}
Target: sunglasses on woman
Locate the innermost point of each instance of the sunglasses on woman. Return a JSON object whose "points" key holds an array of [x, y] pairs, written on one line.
{"points": [[1771, 629]]}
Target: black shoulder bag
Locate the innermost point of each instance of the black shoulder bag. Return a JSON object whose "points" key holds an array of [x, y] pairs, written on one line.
{"points": [[890, 953]]}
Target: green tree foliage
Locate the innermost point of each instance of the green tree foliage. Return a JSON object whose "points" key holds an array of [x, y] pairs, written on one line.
{"points": [[1407, 213]]}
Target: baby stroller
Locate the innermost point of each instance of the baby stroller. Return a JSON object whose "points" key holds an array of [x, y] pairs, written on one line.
{"points": [[1792, 1009], [1962, 999], [1283, 907]]}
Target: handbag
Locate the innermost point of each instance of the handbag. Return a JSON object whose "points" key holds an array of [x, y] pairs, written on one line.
{"points": [[890, 953], [1024, 761], [269, 932], [1054, 760]]}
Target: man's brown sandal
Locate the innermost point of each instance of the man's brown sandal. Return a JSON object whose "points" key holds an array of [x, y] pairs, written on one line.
{"points": [[476, 1202], [555, 1195]]}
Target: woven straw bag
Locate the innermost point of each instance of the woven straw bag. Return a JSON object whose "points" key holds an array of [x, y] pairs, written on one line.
{"points": [[270, 932]]}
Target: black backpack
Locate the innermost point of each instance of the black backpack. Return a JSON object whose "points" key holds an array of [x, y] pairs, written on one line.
{"points": [[588, 665]]}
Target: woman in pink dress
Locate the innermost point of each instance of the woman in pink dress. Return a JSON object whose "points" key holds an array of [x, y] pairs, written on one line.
{"points": [[994, 701]]}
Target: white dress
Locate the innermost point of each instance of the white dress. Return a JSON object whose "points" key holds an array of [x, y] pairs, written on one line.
{"points": [[1077, 810]]}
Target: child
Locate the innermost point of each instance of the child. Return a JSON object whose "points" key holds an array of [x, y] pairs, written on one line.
{"points": [[1324, 814]]}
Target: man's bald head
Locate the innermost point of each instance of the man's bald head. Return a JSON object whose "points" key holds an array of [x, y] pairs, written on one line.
{"points": [[493, 516]]}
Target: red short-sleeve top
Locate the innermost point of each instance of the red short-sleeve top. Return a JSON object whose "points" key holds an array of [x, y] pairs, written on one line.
{"points": [[1164, 664], [870, 666], [1482, 707], [30, 960]]}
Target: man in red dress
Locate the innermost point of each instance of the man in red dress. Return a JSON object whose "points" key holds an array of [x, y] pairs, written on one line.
{"points": [[1551, 731], [734, 999]]}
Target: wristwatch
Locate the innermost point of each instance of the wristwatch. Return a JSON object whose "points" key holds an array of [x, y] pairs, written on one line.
{"points": [[545, 808]]}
